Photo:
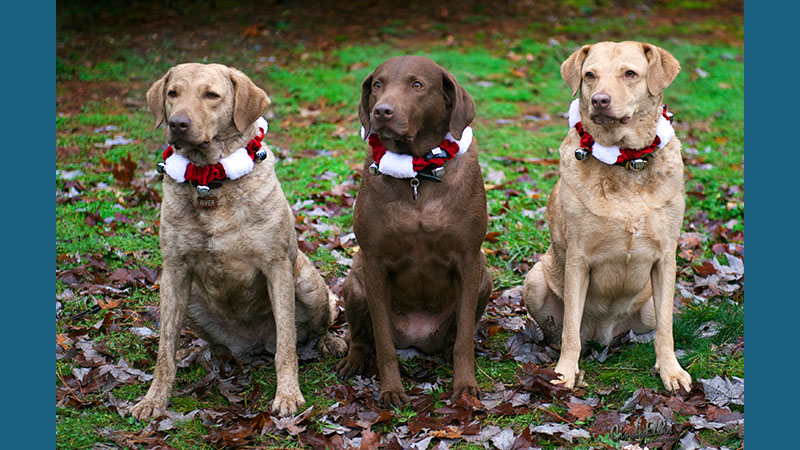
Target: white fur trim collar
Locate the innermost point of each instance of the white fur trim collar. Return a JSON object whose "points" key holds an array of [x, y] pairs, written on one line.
{"points": [[609, 155], [402, 165], [236, 165]]}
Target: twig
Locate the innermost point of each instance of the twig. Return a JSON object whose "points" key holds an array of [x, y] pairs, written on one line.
{"points": [[71, 391], [555, 414]]}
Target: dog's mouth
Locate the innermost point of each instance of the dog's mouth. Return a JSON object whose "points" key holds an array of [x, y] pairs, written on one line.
{"points": [[387, 133], [605, 119], [182, 144]]}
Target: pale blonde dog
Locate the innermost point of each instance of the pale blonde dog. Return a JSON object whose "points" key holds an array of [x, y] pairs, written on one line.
{"points": [[231, 267], [614, 224]]}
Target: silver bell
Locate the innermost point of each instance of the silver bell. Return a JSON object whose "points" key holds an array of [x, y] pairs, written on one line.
{"points": [[636, 164], [581, 154], [161, 167], [373, 169], [437, 171], [260, 155], [203, 191]]}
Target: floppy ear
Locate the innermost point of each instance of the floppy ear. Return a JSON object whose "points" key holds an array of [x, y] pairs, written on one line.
{"points": [[363, 107], [571, 68], [249, 100], [462, 108], [156, 96], [662, 68]]}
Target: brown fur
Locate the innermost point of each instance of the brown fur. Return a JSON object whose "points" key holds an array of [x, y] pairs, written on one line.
{"points": [[234, 272], [419, 278], [611, 264]]}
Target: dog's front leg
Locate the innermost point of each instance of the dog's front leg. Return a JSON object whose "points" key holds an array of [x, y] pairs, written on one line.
{"points": [[464, 380], [379, 301], [280, 282], [576, 283], [175, 286], [662, 278]]}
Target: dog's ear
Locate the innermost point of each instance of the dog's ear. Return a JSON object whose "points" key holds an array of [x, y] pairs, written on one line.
{"points": [[363, 107], [249, 100], [662, 68], [156, 96], [462, 108], [572, 67]]}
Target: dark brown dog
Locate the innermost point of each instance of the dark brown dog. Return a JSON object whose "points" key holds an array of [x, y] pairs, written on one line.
{"points": [[420, 278]]}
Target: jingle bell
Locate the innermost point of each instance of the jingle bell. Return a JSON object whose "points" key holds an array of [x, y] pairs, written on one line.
{"points": [[161, 167], [437, 171], [203, 191], [636, 165], [581, 153], [260, 155], [373, 169]]}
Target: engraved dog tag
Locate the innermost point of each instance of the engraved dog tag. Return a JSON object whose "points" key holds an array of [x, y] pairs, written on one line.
{"points": [[207, 202]]}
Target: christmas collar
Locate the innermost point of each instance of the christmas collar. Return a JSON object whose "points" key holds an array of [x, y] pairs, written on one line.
{"points": [[408, 166], [232, 167], [633, 159]]}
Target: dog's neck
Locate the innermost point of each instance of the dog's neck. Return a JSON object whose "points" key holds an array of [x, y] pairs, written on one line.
{"points": [[638, 133], [222, 145], [420, 146]]}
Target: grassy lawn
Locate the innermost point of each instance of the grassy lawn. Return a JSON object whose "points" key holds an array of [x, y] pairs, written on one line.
{"points": [[108, 195]]}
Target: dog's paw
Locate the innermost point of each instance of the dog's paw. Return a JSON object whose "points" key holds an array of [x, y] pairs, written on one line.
{"points": [[674, 377], [569, 372], [460, 389], [148, 407], [332, 345], [350, 365], [394, 396], [287, 403]]}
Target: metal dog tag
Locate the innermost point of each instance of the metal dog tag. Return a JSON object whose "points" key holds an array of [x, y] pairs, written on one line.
{"points": [[414, 184], [207, 202]]}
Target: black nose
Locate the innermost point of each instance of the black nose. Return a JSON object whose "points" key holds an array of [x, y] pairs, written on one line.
{"points": [[601, 101], [383, 111], [180, 123]]}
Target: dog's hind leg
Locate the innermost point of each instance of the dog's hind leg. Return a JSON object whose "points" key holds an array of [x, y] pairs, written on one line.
{"points": [[543, 305], [358, 321], [316, 308]]}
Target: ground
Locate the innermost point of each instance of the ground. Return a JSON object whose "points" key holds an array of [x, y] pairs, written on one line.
{"points": [[310, 57]]}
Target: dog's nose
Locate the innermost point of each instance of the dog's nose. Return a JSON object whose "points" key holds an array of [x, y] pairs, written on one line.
{"points": [[601, 101], [180, 123], [383, 111]]}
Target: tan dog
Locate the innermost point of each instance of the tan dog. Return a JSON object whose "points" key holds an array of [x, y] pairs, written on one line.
{"points": [[231, 265], [419, 279], [614, 224]]}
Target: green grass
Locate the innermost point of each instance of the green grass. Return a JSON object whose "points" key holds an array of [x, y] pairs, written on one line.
{"points": [[509, 73]]}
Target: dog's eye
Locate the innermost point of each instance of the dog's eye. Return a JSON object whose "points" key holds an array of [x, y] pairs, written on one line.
{"points": [[172, 94], [377, 85], [630, 73], [589, 75], [416, 85], [212, 95]]}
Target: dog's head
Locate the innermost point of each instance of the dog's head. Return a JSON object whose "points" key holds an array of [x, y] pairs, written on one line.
{"points": [[202, 102], [412, 102], [618, 80]]}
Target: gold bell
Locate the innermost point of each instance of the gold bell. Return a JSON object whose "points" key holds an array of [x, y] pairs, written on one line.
{"points": [[161, 167], [203, 191], [581, 153], [373, 169], [260, 155], [635, 165]]}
